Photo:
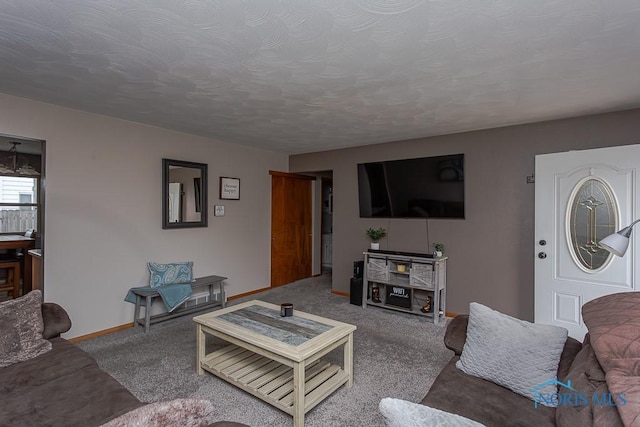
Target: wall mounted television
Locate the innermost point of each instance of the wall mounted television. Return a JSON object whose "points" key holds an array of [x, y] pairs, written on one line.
{"points": [[426, 187]]}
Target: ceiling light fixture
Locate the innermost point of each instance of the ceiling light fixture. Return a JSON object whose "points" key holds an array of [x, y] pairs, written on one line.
{"points": [[15, 164]]}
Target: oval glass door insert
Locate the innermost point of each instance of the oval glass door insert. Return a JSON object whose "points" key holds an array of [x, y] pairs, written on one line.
{"points": [[593, 215]]}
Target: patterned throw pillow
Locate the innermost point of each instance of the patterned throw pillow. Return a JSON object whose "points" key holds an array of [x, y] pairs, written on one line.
{"points": [[21, 332], [167, 274], [513, 353]]}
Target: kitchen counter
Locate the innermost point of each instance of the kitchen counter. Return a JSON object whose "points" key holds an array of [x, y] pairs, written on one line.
{"points": [[35, 255]]}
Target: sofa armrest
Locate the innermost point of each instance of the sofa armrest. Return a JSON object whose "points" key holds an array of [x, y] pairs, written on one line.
{"points": [[56, 320], [456, 333]]}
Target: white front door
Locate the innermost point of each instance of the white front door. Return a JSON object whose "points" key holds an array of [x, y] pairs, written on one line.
{"points": [[581, 197]]}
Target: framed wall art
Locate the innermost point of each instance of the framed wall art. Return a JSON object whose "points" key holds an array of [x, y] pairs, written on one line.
{"points": [[229, 188]]}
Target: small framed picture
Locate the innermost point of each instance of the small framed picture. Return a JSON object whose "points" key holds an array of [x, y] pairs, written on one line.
{"points": [[218, 210], [229, 188]]}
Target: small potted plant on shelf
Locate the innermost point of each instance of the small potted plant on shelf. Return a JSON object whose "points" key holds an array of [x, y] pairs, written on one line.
{"points": [[375, 235], [439, 249]]}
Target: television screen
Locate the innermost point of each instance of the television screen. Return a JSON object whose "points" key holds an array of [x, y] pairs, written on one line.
{"points": [[426, 187]]}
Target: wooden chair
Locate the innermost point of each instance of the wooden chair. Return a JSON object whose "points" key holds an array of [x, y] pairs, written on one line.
{"points": [[13, 276], [12, 284]]}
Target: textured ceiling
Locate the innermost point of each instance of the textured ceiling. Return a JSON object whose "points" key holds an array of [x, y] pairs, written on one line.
{"points": [[302, 76]]}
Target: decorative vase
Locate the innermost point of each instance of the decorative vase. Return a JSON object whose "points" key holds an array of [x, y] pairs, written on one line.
{"points": [[438, 254], [375, 245], [375, 294], [426, 308]]}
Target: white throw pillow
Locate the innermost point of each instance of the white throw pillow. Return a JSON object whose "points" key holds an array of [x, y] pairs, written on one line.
{"points": [[513, 353], [400, 413]]}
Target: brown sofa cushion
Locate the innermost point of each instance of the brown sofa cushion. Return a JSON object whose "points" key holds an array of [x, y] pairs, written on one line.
{"points": [[483, 401], [62, 387], [86, 397], [44, 368]]}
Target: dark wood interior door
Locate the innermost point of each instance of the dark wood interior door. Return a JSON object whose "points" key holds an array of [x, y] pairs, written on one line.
{"points": [[290, 227]]}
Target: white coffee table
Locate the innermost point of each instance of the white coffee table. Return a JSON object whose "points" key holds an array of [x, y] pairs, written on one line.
{"points": [[276, 359]]}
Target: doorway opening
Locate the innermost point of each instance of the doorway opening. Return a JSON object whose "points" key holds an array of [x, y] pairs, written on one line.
{"points": [[326, 224], [22, 198]]}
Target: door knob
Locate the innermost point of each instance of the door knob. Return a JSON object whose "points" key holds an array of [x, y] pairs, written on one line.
{"points": [[542, 255]]}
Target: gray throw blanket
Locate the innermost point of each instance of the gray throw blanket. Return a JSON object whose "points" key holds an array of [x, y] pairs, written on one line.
{"points": [[172, 295]]}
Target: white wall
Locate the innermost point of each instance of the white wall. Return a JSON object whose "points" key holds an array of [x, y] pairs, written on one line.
{"points": [[103, 209]]}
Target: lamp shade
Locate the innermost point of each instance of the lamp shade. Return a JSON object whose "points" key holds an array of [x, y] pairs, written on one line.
{"points": [[618, 243], [615, 243]]}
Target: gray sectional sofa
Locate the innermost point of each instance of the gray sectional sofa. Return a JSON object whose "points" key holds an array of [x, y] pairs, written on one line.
{"points": [[601, 375], [65, 387], [483, 401]]}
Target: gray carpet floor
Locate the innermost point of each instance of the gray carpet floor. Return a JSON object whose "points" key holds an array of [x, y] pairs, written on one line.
{"points": [[395, 355]]}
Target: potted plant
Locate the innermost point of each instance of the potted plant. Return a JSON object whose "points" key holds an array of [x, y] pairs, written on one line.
{"points": [[375, 235], [439, 249]]}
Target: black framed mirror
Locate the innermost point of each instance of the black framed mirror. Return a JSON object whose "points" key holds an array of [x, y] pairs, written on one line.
{"points": [[184, 194]]}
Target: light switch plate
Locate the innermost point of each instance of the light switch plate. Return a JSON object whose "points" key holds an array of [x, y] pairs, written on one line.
{"points": [[218, 210]]}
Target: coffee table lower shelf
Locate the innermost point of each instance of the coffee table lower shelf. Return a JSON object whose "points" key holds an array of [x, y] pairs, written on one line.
{"points": [[272, 381]]}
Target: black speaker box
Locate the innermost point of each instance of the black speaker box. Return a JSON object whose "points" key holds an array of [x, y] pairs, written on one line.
{"points": [[355, 293], [358, 269]]}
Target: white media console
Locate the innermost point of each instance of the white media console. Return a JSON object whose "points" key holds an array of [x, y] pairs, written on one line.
{"points": [[403, 281]]}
